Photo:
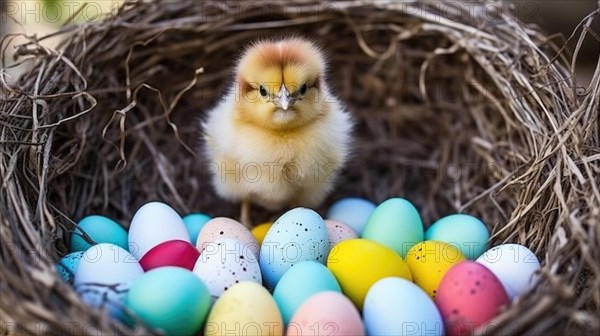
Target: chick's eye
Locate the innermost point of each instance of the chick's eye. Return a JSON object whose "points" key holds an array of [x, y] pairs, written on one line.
{"points": [[303, 89], [263, 91]]}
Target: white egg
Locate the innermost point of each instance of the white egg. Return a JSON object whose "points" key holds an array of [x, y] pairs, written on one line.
{"points": [[396, 306], [225, 262], [152, 224], [513, 264], [104, 275]]}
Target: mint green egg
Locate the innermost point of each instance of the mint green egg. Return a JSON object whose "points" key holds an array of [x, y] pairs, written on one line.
{"points": [[395, 223], [100, 229], [466, 232], [170, 299]]}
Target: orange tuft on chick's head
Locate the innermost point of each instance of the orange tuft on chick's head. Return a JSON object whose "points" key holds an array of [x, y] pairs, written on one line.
{"points": [[278, 138]]}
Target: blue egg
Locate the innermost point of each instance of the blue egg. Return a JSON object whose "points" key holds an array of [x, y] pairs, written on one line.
{"points": [[100, 229], [396, 306], [300, 283], [465, 232], [353, 211], [194, 222], [298, 235], [67, 265]]}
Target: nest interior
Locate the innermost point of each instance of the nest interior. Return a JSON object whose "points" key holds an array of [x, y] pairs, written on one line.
{"points": [[459, 108]]}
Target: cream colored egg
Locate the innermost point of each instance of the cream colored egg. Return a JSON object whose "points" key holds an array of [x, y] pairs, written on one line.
{"points": [[338, 232], [246, 308], [223, 227]]}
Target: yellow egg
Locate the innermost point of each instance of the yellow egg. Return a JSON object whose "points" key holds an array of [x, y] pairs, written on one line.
{"points": [[429, 261], [358, 263], [245, 308], [260, 231]]}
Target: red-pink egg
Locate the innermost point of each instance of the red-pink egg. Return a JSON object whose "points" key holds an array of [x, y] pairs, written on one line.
{"points": [[468, 297], [326, 313], [170, 253]]}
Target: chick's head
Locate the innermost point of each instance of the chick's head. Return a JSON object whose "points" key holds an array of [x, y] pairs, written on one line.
{"points": [[280, 84]]}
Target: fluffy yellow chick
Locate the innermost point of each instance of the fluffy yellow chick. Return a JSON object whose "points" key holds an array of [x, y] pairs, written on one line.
{"points": [[278, 138]]}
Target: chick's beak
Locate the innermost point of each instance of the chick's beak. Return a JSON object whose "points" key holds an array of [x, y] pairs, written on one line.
{"points": [[283, 98]]}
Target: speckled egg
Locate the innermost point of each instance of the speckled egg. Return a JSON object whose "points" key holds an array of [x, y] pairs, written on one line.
{"points": [[222, 227], [514, 265], [338, 232], [429, 261], [298, 235], [395, 223], [67, 265], [466, 232], [353, 211], [326, 313], [224, 263], [468, 297]]}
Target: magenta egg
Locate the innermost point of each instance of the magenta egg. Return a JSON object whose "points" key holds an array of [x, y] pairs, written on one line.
{"points": [[170, 253]]}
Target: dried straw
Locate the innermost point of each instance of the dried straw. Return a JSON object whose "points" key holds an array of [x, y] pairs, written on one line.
{"points": [[461, 108]]}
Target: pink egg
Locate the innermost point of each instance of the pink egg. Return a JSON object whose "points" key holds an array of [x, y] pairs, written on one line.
{"points": [[326, 313], [222, 227], [338, 232], [170, 253], [468, 297]]}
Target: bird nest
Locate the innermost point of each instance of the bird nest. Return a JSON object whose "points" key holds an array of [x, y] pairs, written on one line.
{"points": [[459, 107]]}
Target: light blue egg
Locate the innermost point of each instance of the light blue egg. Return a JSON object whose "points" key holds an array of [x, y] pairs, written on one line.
{"points": [[395, 223], [396, 306], [100, 229], [194, 223], [353, 211], [298, 235], [467, 233], [300, 283], [67, 265]]}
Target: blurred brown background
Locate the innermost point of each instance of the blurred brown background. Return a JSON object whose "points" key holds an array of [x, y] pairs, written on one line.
{"points": [[561, 17], [554, 16]]}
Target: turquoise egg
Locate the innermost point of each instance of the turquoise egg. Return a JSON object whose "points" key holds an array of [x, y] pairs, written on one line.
{"points": [[353, 211], [300, 283], [171, 299], [466, 232], [194, 222], [67, 265], [100, 229], [298, 235], [395, 223]]}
